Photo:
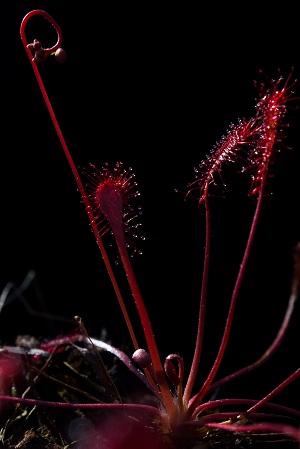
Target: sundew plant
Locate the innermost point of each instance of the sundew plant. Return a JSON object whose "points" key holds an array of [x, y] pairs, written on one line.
{"points": [[167, 411]]}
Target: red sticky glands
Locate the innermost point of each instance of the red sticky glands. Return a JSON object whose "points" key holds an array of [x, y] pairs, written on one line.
{"points": [[251, 143], [230, 149], [172, 415], [271, 110], [110, 193]]}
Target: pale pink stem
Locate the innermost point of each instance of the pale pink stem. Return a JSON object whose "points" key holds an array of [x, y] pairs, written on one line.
{"points": [[291, 431], [70, 405]]}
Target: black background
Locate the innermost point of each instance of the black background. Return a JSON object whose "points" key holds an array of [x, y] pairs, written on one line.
{"points": [[154, 87]]}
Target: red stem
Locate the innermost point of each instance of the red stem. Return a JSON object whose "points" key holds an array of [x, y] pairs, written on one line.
{"points": [[273, 392], [198, 397], [146, 324], [69, 157], [277, 341], [201, 319]]}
